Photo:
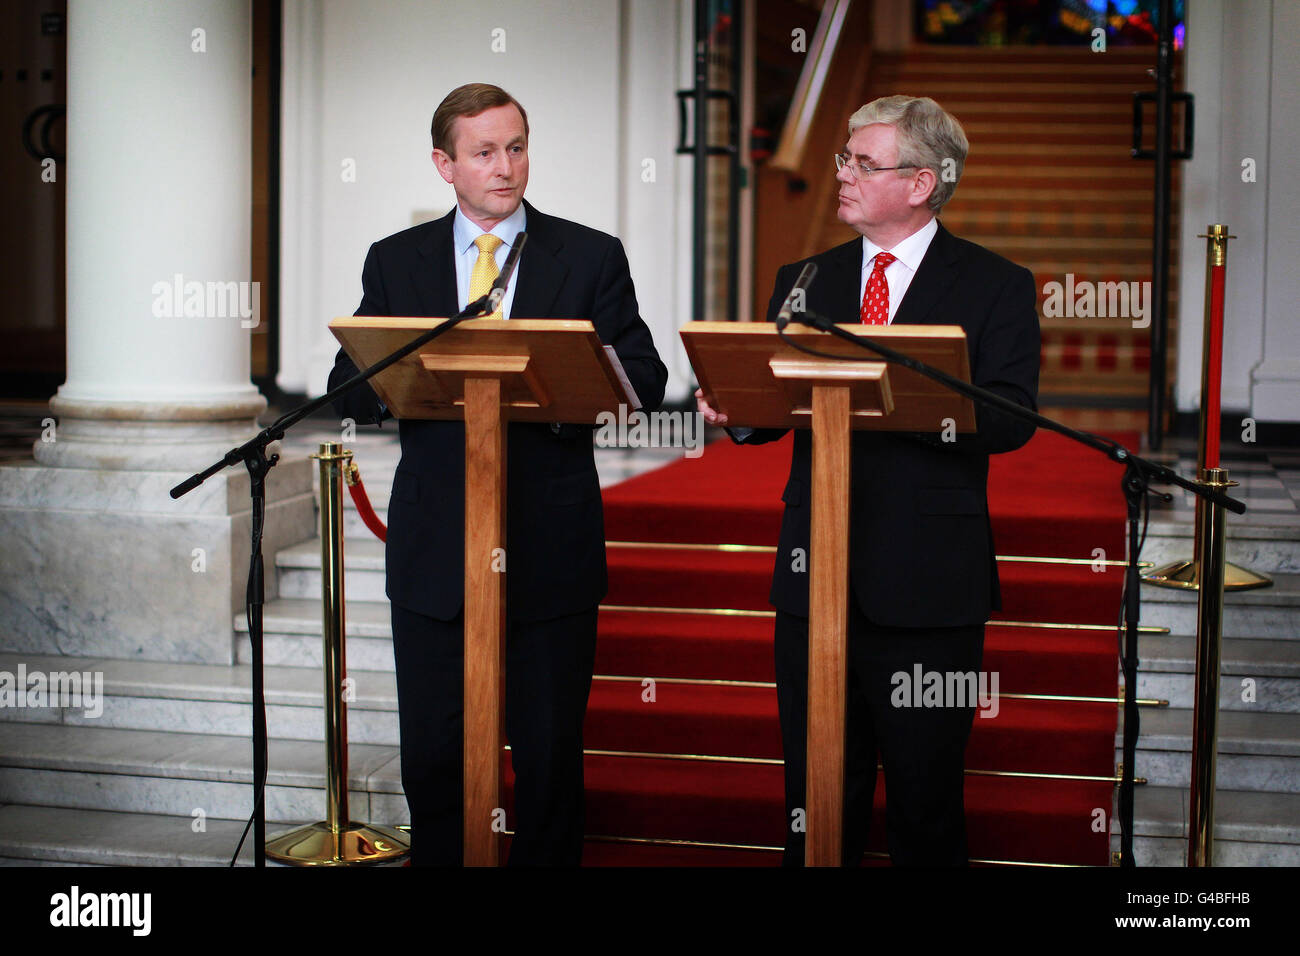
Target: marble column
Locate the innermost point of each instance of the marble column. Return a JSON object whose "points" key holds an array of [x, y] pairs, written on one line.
{"points": [[160, 309]]}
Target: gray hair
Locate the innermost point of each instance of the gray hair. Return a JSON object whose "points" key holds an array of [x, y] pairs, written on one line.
{"points": [[928, 136]]}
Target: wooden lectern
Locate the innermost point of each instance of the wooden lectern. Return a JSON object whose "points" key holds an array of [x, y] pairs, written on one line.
{"points": [[487, 372], [759, 381]]}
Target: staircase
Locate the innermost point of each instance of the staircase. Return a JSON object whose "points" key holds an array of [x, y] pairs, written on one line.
{"points": [[162, 776], [1257, 802], [1050, 185]]}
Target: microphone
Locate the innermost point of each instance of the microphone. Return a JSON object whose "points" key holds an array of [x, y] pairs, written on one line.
{"points": [[498, 290], [800, 286]]}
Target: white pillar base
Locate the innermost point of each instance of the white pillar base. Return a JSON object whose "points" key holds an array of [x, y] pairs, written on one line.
{"points": [[104, 563], [143, 436]]}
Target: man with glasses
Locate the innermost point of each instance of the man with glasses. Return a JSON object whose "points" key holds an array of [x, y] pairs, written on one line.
{"points": [[921, 561]]}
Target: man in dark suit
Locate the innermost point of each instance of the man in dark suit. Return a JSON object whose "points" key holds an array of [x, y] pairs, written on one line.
{"points": [[921, 563], [554, 520]]}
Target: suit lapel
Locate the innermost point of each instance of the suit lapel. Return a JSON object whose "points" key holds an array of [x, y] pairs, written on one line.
{"points": [[434, 276], [936, 273], [541, 273], [844, 281]]}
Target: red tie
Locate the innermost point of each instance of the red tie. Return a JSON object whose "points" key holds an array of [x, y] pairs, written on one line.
{"points": [[875, 300]]}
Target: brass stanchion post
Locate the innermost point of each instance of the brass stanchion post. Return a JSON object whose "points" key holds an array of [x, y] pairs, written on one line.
{"points": [[1208, 572], [1183, 573], [1209, 642], [338, 840]]}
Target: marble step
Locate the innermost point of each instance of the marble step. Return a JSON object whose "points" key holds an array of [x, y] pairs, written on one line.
{"points": [[1256, 675], [291, 635], [1250, 829], [1257, 752], [56, 836], [1271, 612], [213, 699], [299, 570], [354, 529], [188, 776], [1265, 549], [292, 638]]}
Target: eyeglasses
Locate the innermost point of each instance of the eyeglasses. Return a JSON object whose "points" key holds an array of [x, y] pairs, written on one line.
{"points": [[861, 170]]}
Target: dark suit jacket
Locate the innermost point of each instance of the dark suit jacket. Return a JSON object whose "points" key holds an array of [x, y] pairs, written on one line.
{"points": [[921, 548], [555, 537]]}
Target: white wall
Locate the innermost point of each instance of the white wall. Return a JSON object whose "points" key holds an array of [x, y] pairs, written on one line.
{"points": [[361, 82], [1275, 387], [1243, 72]]}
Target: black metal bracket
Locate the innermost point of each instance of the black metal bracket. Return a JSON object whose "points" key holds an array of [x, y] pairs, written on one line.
{"points": [[684, 148], [1137, 151]]}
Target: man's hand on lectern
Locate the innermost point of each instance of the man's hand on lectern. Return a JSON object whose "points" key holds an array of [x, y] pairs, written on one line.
{"points": [[711, 414]]}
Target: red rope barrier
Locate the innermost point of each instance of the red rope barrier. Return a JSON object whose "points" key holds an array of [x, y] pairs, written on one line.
{"points": [[1210, 401], [362, 501]]}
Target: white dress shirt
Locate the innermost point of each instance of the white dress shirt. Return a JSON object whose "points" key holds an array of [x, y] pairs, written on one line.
{"points": [[898, 276], [463, 234], [899, 273]]}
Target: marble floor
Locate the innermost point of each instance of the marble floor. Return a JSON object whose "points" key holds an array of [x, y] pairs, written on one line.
{"points": [[1268, 483]]}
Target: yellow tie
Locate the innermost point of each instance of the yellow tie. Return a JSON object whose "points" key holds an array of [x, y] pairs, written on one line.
{"points": [[485, 269]]}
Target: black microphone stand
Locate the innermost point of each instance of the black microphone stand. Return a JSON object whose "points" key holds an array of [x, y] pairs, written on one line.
{"points": [[1139, 473], [253, 455]]}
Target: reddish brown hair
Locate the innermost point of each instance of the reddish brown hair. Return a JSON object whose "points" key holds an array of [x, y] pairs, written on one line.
{"points": [[468, 100]]}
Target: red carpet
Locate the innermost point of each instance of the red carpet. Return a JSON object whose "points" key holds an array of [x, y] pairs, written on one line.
{"points": [[1050, 499]]}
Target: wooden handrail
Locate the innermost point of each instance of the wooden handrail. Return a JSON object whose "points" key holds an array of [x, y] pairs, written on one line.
{"points": [[794, 198], [808, 90]]}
